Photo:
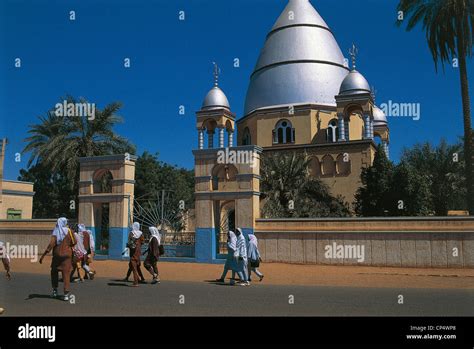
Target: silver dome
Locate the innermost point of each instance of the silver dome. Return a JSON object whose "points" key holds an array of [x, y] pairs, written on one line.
{"points": [[215, 99], [300, 62], [354, 83], [380, 119]]}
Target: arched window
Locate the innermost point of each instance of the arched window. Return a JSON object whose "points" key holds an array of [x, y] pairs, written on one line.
{"points": [[343, 164], [315, 167], [332, 132], [222, 174], [377, 138], [246, 139], [102, 181], [328, 167], [283, 133]]}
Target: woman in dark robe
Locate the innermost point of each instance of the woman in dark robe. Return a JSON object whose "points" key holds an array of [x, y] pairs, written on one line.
{"points": [[135, 241], [61, 243], [6, 264], [151, 260], [5, 260]]}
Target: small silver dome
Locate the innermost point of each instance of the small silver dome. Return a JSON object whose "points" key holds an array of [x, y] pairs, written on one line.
{"points": [[380, 119], [354, 83], [215, 99]]}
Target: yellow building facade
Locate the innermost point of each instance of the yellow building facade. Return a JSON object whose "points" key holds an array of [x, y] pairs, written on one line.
{"points": [[337, 164], [16, 198]]}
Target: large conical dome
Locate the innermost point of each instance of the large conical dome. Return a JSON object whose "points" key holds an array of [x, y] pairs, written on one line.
{"points": [[300, 62]]}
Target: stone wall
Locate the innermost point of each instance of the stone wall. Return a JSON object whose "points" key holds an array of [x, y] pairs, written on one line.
{"points": [[444, 242], [27, 232]]}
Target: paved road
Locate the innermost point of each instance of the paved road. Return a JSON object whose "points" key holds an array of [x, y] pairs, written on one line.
{"points": [[28, 294]]}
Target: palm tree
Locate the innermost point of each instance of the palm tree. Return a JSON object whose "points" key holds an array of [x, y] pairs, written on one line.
{"points": [[42, 136], [283, 176], [59, 141], [286, 179], [449, 27]]}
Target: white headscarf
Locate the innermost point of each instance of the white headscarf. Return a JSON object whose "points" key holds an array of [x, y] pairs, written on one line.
{"points": [[253, 239], [136, 230], [241, 244], [80, 243], [232, 243], [81, 228], [61, 230], [155, 234]]}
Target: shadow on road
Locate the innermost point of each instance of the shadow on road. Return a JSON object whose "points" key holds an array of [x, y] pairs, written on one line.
{"points": [[117, 284], [42, 296], [214, 282]]}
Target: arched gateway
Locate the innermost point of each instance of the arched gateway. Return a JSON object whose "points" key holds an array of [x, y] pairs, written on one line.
{"points": [[106, 200]]}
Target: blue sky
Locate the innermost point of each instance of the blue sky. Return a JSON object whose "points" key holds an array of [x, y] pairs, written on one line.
{"points": [[171, 65]]}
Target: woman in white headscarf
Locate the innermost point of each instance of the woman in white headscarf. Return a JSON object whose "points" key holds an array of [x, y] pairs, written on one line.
{"points": [[135, 241], [89, 246], [80, 255], [5, 259], [254, 259], [153, 254], [61, 243], [241, 256], [230, 263]]}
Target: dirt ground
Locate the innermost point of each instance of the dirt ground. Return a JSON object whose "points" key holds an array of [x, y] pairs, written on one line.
{"points": [[287, 274]]}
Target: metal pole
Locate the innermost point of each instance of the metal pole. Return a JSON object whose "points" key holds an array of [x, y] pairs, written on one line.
{"points": [[162, 206]]}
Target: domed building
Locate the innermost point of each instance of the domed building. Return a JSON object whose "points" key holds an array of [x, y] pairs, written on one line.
{"points": [[303, 97]]}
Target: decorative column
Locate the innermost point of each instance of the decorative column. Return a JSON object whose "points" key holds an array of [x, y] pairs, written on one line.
{"points": [[210, 139], [386, 149], [342, 131], [371, 128], [221, 137], [201, 139], [366, 126], [231, 138]]}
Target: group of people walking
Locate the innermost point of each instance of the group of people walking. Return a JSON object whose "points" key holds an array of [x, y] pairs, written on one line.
{"points": [[153, 252], [73, 251], [243, 258]]}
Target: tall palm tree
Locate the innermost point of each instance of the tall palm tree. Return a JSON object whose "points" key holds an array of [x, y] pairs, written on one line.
{"points": [[59, 141], [42, 135], [449, 27]]}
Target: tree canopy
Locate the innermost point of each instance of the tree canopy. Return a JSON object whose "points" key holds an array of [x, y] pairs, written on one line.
{"points": [[427, 181], [289, 191]]}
